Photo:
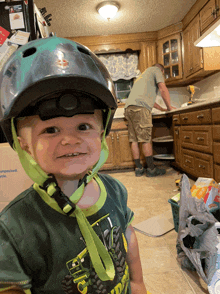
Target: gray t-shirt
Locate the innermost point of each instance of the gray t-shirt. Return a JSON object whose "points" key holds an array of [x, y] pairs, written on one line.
{"points": [[145, 88]]}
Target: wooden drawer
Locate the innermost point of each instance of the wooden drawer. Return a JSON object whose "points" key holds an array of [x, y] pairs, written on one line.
{"points": [[196, 117], [216, 132], [216, 153], [217, 173], [197, 164], [216, 115], [197, 138], [176, 119]]}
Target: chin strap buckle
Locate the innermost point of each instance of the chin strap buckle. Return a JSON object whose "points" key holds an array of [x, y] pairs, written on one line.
{"points": [[52, 188]]}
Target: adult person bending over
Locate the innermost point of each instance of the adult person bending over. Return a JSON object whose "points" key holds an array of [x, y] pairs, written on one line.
{"points": [[138, 110]]}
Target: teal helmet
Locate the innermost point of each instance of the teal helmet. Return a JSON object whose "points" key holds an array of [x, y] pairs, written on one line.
{"points": [[54, 77]]}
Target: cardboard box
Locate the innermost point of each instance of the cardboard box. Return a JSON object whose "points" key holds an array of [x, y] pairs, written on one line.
{"points": [[208, 190], [13, 179]]}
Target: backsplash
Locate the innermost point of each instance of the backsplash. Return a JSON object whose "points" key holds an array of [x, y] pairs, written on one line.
{"points": [[207, 87]]}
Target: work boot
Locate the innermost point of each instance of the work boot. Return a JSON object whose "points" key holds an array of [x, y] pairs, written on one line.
{"points": [[155, 172], [139, 171]]}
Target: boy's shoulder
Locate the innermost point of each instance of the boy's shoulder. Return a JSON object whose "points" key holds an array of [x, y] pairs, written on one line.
{"points": [[19, 203], [113, 185]]}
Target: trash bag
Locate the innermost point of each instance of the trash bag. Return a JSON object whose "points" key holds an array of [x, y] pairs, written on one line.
{"points": [[197, 235]]}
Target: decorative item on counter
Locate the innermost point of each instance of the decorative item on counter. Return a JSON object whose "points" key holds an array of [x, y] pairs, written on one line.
{"points": [[3, 35], [191, 90]]}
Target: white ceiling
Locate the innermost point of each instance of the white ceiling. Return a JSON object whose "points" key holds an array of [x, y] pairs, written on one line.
{"points": [[72, 18]]}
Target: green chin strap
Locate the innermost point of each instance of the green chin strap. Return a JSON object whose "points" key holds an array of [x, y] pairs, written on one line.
{"points": [[97, 251]]}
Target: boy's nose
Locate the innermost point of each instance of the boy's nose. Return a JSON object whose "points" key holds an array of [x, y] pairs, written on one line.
{"points": [[70, 139]]}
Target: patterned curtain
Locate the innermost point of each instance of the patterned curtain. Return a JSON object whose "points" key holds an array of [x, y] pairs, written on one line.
{"points": [[121, 66]]}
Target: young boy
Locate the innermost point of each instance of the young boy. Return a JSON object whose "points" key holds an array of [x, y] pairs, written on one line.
{"points": [[71, 231]]}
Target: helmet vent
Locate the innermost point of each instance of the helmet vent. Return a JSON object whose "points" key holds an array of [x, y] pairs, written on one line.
{"points": [[83, 50], [29, 52]]}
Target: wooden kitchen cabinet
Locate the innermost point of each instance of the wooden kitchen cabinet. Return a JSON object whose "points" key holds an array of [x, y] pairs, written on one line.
{"points": [[208, 14], [120, 155], [193, 56], [169, 54], [197, 140]]}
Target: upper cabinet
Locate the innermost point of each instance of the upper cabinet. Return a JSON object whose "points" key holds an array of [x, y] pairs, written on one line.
{"points": [[193, 56], [169, 54], [209, 13]]}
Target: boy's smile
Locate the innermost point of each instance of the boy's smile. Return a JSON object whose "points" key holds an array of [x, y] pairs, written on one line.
{"points": [[65, 146]]}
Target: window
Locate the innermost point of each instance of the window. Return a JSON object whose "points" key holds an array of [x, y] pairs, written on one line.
{"points": [[123, 88]]}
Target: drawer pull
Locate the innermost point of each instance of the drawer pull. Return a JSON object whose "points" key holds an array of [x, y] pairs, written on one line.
{"points": [[187, 160], [186, 137], [175, 119], [200, 139], [112, 136], [201, 166], [200, 116], [177, 132], [185, 118], [117, 138]]}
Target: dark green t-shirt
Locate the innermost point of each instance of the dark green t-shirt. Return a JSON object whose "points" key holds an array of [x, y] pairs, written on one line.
{"points": [[43, 250]]}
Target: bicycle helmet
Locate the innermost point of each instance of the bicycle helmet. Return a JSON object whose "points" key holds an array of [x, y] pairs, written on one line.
{"points": [[54, 77]]}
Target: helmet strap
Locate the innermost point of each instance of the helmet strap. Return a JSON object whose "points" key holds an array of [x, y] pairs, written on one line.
{"points": [[97, 251]]}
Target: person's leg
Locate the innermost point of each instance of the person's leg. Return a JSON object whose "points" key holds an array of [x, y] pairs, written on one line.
{"points": [[145, 137], [136, 154], [131, 114]]}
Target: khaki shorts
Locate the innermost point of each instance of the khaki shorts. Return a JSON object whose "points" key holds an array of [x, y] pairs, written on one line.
{"points": [[139, 124]]}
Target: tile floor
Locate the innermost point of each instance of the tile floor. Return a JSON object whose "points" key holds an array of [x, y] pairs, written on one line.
{"points": [[148, 197]]}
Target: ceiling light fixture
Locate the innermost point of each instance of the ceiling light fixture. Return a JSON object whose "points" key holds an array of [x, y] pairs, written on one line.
{"points": [[108, 9]]}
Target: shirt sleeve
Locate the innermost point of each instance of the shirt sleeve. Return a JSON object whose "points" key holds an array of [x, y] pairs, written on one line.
{"points": [[159, 78], [11, 271]]}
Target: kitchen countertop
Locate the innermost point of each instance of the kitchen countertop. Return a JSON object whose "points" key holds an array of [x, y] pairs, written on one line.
{"points": [[120, 111]]}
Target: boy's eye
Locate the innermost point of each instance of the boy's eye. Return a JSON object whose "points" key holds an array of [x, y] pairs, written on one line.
{"points": [[84, 127], [51, 130]]}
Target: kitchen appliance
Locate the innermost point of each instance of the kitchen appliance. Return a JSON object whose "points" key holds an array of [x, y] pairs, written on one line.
{"points": [[191, 90]]}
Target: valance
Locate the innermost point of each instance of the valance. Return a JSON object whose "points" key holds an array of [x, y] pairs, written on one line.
{"points": [[121, 66]]}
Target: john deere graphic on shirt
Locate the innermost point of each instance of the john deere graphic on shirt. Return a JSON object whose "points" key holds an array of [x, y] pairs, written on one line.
{"points": [[83, 279]]}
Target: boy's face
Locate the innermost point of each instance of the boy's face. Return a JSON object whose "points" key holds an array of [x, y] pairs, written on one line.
{"points": [[65, 146]]}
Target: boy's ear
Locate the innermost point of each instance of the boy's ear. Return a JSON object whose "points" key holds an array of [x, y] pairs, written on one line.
{"points": [[23, 144]]}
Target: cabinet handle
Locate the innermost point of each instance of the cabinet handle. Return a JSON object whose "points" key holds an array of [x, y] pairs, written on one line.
{"points": [[175, 119], [185, 118], [186, 137], [201, 166], [214, 12], [191, 68], [117, 138], [112, 136], [187, 160], [177, 132], [200, 139], [200, 116]]}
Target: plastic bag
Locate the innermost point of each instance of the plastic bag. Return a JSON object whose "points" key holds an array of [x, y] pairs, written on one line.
{"points": [[197, 235]]}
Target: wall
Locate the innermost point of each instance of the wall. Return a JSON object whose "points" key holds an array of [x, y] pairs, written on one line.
{"points": [[207, 87], [178, 96]]}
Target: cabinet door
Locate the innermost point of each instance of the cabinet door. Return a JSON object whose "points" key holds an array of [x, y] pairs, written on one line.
{"points": [[169, 54], [110, 162], [197, 54], [177, 145], [193, 56], [187, 52], [207, 15], [124, 155]]}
